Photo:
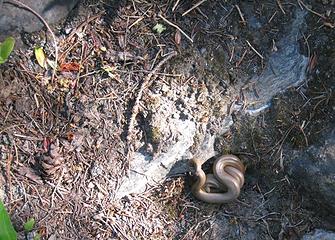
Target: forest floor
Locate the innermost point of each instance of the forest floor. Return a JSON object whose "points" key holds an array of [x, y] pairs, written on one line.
{"points": [[64, 140]]}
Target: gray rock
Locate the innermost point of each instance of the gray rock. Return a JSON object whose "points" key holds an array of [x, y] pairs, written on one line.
{"points": [[286, 68], [145, 170], [314, 169], [319, 234], [14, 20]]}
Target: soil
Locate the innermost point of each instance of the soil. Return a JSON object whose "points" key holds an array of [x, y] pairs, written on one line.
{"points": [[64, 142]]}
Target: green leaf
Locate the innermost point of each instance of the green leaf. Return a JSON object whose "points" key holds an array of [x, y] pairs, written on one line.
{"points": [[7, 231], [159, 28], [29, 225], [40, 56], [6, 47], [37, 236]]}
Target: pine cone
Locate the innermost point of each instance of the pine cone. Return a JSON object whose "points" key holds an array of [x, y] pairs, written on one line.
{"points": [[52, 161]]}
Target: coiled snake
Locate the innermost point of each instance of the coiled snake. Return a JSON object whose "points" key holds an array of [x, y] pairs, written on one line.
{"points": [[224, 184]]}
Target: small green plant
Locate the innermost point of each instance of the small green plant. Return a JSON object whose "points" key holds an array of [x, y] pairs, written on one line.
{"points": [[29, 226], [159, 28], [7, 231], [6, 47]]}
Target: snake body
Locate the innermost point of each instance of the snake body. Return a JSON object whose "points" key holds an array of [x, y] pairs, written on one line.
{"points": [[224, 184]]}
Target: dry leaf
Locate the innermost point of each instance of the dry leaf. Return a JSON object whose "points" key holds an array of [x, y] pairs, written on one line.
{"points": [[40, 57], [177, 37], [68, 67], [52, 64], [70, 136]]}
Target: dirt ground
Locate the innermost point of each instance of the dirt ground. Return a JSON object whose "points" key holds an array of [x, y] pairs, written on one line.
{"points": [[64, 142]]}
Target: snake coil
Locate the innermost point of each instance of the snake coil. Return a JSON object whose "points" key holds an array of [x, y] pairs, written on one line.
{"points": [[224, 184]]}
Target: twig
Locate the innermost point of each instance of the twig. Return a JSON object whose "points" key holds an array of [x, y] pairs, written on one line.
{"points": [[281, 141], [241, 59], [193, 7], [9, 179], [135, 109], [310, 10], [24, 6], [232, 54], [241, 14], [281, 7], [56, 187], [136, 22], [177, 27], [175, 5], [267, 228], [260, 55], [196, 226], [303, 133], [273, 15]]}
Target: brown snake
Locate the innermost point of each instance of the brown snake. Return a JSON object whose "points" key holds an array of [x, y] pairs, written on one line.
{"points": [[224, 184]]}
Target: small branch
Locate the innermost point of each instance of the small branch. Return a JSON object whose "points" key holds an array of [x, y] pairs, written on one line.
{"points": [[175, 5], [241, 59], [177, 27], [281, 7], [8, 176], [195, 6], [310, 10], [24, 6], [260, 55], [241, 14]]}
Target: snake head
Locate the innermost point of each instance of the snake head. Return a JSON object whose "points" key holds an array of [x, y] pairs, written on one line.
{"points": [[195, 164]]}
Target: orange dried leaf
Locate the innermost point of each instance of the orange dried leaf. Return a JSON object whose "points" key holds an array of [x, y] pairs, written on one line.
{"points": [[68, 67], [70, 136]]}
